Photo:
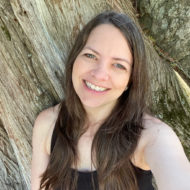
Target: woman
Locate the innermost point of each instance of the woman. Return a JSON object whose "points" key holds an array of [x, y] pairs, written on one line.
{"points": [[100, 136]]}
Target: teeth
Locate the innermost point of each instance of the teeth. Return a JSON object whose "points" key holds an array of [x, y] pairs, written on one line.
{"points": [[93, 87]]}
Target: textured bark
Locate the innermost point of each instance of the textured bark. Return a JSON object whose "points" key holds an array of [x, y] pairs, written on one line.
{"points": [[168, 24], [10, 178], [35, 37]]}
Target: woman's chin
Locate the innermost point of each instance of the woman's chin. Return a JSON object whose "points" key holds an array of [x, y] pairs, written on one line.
{"points": [[98, 104], [92, 104]]}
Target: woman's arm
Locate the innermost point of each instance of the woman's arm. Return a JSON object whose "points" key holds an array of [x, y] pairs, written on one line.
{"points": [[166, 158], [40, 156]]}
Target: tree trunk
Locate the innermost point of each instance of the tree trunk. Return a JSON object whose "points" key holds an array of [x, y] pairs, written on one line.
{"points": [[167, 23], [35, 37]]}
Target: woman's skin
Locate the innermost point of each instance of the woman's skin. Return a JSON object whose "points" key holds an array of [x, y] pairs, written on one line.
{"points": [[101, 73]]}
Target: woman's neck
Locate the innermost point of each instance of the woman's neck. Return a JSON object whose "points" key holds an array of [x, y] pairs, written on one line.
{"points": [[96, 116]]}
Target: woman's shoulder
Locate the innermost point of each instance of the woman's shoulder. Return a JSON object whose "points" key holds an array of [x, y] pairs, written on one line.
{"points": [[152, 128], [44, 125], [49, 113], [159, 138], [164, 154], [46, 117]]}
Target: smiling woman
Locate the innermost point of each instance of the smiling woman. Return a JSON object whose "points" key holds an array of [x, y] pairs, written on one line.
{"points": [[102, 69], [101, 135]]}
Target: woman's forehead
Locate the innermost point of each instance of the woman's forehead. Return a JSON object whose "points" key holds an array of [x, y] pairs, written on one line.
{"points": [[106, 39]]}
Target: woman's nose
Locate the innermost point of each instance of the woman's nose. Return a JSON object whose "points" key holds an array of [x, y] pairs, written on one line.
{"points": [[100, 72]]}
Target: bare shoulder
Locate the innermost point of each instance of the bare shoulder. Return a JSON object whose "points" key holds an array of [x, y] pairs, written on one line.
{"points": [[153, 126], [155, 132], [160, 137], [155, 129], [44, 124], [40, 156], [164, 154], [48, 115]]}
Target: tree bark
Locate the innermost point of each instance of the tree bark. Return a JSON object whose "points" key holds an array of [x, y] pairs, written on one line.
{"points": [[35, 37], [167, 23]]}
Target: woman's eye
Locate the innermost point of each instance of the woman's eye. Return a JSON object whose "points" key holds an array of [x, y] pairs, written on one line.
{"points": [[119, 66], [89, 55]]}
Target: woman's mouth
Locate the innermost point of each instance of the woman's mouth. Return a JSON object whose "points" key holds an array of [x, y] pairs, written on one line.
{"points": [[94, 87]]}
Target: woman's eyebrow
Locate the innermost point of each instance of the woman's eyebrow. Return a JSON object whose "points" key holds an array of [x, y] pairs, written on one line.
{"points": [[87, 47], [122, 59], [114, 58]]}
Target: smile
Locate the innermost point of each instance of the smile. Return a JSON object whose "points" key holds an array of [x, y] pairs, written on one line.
{"points": [[94, 87]]}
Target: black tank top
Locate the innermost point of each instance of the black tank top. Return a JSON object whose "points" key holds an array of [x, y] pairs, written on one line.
{"points": [[144, 177]]}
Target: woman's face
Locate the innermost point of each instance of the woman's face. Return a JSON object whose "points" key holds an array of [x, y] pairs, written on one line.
{"points": [[102, 69]]}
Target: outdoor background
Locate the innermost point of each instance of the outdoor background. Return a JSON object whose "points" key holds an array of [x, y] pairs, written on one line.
{"points": [[35, 37]]}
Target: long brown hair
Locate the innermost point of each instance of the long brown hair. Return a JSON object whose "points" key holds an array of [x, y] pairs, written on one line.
{"points": [[116, 139]]}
